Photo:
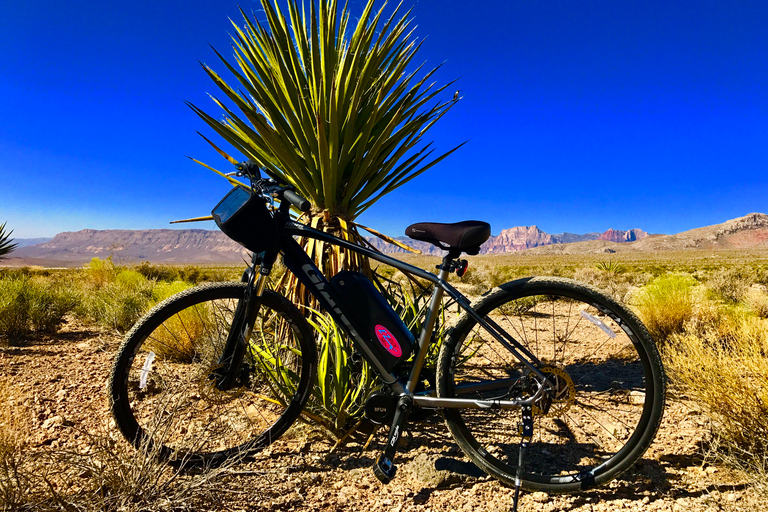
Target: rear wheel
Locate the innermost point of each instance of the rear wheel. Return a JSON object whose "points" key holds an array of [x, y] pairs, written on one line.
{"points": [[163, 387], [608, 382]]}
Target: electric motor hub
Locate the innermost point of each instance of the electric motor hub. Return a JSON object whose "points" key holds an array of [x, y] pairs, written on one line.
{"points": [[380, 408]]}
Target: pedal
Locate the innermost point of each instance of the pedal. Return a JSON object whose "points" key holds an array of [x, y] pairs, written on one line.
{"points": [[384, 469]]}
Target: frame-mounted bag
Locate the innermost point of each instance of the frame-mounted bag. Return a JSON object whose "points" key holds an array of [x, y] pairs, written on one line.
{"points": [[245, 218]]}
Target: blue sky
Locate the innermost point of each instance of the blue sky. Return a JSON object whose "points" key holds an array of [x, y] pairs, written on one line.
{"points": [[579, 115]]}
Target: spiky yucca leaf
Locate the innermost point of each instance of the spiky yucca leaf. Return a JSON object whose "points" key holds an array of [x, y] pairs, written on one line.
{"points": [[327, 107], [6, 242]]}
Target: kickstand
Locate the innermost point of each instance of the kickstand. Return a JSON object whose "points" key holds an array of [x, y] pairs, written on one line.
{"points": [[527, 435]]}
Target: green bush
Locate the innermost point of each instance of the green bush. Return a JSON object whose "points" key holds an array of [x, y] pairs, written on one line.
{"points": [[666, 304], [30, 305], [163, 290]]}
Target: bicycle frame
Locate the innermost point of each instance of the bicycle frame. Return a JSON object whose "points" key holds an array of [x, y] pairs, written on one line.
{"points": [[300, 264]]}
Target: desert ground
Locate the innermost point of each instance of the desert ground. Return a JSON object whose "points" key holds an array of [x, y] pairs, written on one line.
{"points": [[60, 381]]}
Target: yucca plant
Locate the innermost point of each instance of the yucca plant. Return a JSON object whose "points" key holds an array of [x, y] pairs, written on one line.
{"points": [[331, 109], [6, 242], [343, 383]]}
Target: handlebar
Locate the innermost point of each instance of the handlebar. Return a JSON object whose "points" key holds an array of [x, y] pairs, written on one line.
{"points": [[270, 186], [296, 200]]}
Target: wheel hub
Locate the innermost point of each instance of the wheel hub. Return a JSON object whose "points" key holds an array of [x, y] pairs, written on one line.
{"points": [[563, 392], [208, 386]]}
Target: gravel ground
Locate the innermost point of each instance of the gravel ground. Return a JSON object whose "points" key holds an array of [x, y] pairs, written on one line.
{"points": [[64, 381]]}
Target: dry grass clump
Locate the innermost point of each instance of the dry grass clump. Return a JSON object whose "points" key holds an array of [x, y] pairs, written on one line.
{"points": [[757, 300], [725, 370], [15, 423], [32, 304], [107, 476]]}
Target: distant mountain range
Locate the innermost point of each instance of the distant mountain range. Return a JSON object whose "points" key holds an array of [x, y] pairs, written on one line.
{"points": [[132, 246], [201, 246]]}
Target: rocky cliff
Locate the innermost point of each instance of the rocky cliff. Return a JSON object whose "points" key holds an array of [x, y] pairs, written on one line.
{"points": [[509, 240]]}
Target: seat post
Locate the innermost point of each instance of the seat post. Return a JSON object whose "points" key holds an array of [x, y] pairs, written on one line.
{"points": [[447, 264]]}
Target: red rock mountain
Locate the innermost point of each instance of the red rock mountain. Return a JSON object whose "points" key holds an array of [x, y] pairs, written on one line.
{"points": [[517, 239], [616, 235]]}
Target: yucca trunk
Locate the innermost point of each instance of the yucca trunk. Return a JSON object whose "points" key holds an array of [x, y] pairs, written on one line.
{"points": [[330, 259]]}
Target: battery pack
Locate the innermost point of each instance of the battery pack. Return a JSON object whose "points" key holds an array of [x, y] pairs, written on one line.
{"points": [[370, 314]]}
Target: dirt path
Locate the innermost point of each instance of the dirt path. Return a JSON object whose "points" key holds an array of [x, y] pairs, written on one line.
{"points": [[64, 379]]}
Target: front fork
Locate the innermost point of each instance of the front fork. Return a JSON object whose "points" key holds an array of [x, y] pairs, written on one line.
{"points": [[229, 365]]}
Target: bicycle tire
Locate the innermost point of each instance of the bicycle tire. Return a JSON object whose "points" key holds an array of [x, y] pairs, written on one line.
{"points": [[162, 393], [609, 374]]}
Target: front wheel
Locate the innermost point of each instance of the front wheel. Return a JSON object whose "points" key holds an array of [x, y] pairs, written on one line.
{"points": [[163, 388], [609, 385]]}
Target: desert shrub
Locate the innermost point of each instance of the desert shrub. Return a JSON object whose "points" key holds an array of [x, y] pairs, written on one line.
{"points": [[616, 284], [163, 290], [158, 272], [757, 299], [476, 278], [666, 304], [196, 275], [118, 300], [725, 370], [30, 305], [130, 279], [732, 283], [500, 274], [100, 272]]}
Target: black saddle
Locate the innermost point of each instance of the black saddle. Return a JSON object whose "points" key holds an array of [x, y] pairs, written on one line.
{"points": [[466, 236]]}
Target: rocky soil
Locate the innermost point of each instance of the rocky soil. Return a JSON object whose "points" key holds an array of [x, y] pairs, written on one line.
{"points": [[64, 380]]}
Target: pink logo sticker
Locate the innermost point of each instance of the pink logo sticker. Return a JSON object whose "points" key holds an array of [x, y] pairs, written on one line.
{"points": [[388, 341]]}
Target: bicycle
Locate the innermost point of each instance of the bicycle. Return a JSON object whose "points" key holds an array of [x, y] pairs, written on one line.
{"points": [[545, 384]]}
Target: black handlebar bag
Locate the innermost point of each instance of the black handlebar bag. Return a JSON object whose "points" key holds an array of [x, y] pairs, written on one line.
{"points": [[244, 217]]}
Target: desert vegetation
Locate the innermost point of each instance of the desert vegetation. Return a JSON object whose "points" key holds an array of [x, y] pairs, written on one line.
{"points": [[707, 311], [35, 301]]}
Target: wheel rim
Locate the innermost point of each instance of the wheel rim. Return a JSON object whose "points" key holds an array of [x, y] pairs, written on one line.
{"points": [[607, 404], [172, 392]]}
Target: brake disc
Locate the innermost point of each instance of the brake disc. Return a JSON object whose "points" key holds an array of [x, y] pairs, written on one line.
{"points": [[564, 393]]}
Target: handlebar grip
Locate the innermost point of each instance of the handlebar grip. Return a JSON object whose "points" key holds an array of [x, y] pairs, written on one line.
{"points": [[296, 200]]}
